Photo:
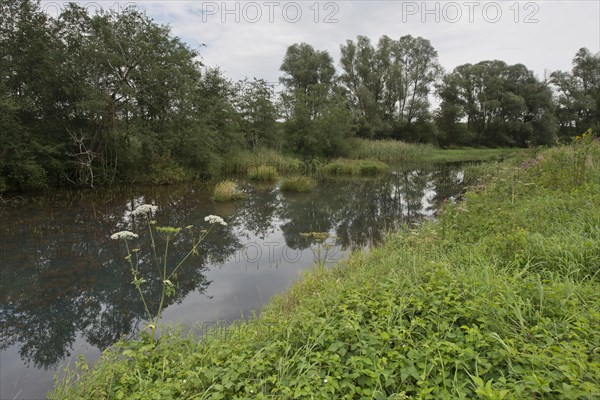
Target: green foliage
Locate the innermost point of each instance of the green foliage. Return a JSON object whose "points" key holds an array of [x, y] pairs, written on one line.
{"points": [[298, 184], [323, 134], [256, 103], [581, 157], [355, 167], [476, 154], [578, 94], [242, 161], [390, 150], [306, 68], [397, 151], [318, 123], [120, 95], [264, 173], [503, 105], [497, 299], [165, 171], [227, 191], [388, 86]]}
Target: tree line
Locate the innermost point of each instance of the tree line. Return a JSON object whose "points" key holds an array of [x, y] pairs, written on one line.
{"points": [[112, 97]]}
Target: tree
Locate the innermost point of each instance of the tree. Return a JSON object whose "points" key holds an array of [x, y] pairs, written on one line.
{"points": [[578, 94], [28, 80], [388, 86], [318, 122], [256, 104], [104, 97], [495, 104], [419, 70], [372, 81]]}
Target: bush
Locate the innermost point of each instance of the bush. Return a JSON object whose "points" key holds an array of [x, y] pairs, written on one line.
{"points": [[166, 172], [227, 191], [355, 167], [263, 173], [298, 184]]}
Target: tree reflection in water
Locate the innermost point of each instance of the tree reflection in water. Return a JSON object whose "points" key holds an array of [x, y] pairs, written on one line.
{"points": [[62, 277]]}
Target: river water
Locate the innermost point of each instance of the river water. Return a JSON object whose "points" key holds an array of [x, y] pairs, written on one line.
{"points": [[65, 287]]}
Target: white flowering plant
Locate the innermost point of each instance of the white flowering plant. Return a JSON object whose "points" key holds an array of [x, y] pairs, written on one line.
{"points": [[167, 233]]}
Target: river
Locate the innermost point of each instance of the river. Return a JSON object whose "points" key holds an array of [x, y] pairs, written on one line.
{"points": [[65, 287]]}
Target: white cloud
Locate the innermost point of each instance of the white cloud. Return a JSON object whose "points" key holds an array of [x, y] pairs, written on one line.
{"points": [[256, 49]]}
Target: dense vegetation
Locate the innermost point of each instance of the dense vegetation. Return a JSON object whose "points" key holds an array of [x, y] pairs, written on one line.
{"points": [[115, 97], [497, 299]]}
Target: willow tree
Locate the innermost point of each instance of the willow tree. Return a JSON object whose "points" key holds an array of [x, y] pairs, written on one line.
{"points": [[578, 94], [318, 122], [495, 104], [389, 85]]}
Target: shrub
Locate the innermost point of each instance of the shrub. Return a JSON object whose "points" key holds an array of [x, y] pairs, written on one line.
{"points": [[263, 173], [298, 184], [227, 191]]}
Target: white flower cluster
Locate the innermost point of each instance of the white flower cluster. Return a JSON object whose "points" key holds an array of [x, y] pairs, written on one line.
{"points": [[123, 235], [215, 219], [145, 209]]}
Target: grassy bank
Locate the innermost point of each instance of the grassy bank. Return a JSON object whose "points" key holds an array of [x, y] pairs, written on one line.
{"points": [[244, 161], [387, 151], [398, 152], [498, 299], [355, 167], [247, 162]]}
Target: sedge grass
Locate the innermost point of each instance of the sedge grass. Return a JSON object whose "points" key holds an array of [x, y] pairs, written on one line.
{"points": [[227, 191]]}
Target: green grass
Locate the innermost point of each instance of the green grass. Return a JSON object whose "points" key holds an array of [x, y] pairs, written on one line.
{"points": [[399, 152], [390, 150], [497, 299], [355, 167], [474, 154], [298, 184], [227, 191], [242, 161], [263, 173], [385, 151]]}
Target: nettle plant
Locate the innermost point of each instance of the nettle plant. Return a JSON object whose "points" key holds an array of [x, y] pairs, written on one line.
{"points": [[167, 234]]}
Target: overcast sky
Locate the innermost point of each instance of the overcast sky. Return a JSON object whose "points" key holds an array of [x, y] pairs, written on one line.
{"points": [[249, 38]]}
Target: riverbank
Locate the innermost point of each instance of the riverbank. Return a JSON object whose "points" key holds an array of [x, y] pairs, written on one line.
{"points": [[240, 162], [388, 151], [394, 151], [497, 299]]}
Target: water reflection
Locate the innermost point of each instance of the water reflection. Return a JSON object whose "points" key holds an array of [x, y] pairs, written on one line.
{"points": [[62, 278]]}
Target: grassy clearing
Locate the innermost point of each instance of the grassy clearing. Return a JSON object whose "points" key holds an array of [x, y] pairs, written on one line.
{"points": [[227, 191], [263, 173], [355, 167], [498, 299], [298, 184]]}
